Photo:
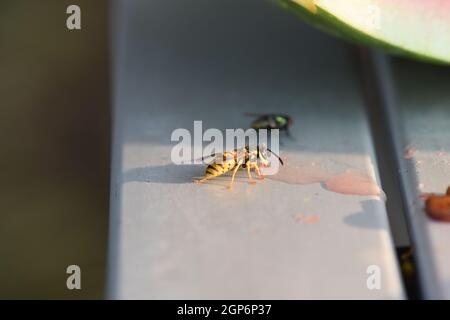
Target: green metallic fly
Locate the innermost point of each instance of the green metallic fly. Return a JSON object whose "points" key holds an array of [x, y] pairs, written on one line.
{"points": [[271, 121]]}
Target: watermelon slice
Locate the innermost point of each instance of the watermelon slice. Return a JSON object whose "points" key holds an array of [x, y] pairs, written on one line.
{"points": [[417, 28]]}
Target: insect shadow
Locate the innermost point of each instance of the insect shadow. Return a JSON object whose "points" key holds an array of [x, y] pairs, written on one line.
{"points": [[174, 174], [170, 173], [368, 218]]}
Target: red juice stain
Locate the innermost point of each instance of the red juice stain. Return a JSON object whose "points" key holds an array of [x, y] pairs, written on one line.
{"points": [[307, 219], [300, 173], [409, 152], [343, 181], [353, 183]]}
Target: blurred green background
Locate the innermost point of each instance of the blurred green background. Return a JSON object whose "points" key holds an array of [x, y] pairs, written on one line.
{"points": [[54, 155]]}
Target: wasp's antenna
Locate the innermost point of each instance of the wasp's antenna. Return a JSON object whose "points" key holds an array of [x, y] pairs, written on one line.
{"points": [[281, 161]]}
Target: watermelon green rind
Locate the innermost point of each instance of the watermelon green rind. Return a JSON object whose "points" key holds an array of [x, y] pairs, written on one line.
{"points": [[307, 16], [356, 36], [331, 24]]}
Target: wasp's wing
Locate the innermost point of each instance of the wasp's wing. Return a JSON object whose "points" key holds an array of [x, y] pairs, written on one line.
{"points": [[217, 156], [272, 123], [207, 157]]}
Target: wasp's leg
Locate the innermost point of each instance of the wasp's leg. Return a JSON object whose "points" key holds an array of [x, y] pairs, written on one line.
{"points": [[203, 179], [250, 178], [234, 173], [198, 181], [258, 172]]}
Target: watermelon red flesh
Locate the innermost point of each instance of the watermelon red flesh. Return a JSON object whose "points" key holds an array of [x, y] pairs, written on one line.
{"points": [[418, 28]]}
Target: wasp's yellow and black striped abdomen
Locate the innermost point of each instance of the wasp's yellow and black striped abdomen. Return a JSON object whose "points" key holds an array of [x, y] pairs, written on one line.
{"points": [[216, 169]]}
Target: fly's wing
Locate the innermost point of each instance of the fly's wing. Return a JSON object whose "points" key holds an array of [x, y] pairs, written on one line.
{"points": [[272, 123], [262, 122], [227, 156]]}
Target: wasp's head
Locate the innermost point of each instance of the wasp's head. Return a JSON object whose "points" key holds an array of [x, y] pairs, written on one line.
{"points": [[263, 156]]}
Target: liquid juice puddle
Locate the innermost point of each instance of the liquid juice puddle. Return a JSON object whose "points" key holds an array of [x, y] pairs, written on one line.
{"points": [[353, 183], [335, 177], [300, 173]]}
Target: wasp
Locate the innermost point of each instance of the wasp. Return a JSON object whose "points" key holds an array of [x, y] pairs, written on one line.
{"points": [[271, 121], [245, 158]]}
